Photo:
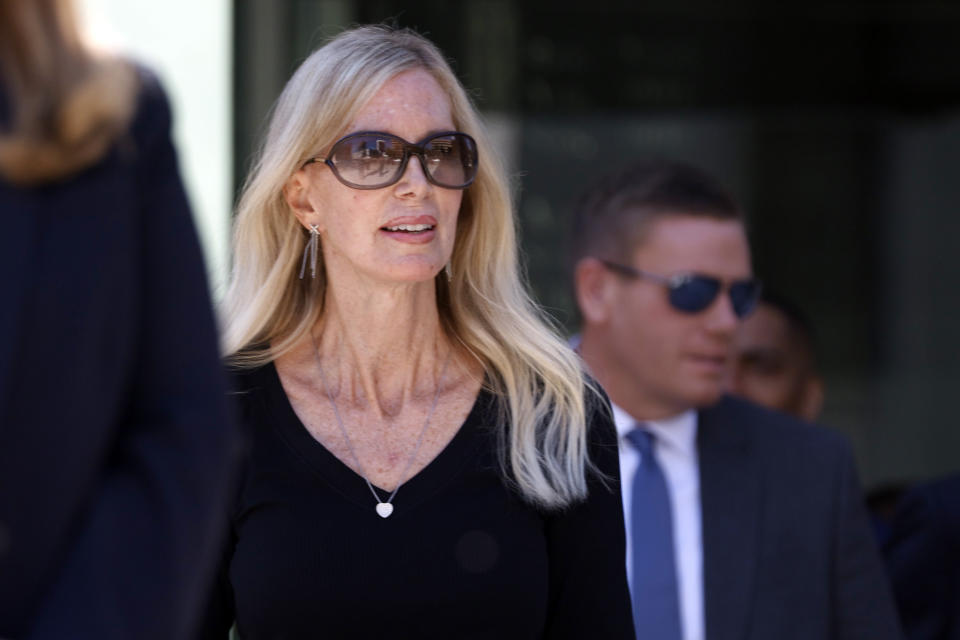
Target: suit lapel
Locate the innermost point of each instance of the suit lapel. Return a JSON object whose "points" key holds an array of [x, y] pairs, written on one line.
{"points": [[19, 219], [730, 496]]}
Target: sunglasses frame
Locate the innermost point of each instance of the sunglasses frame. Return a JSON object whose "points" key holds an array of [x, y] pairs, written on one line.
{"points": [[409, 149], [674, 282]]}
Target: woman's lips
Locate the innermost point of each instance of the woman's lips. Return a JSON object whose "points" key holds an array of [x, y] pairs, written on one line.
{"points": [[419, 237], [411, 229]]}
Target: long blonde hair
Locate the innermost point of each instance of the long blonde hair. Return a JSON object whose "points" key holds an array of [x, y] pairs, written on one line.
{"points": [[485, 307], [67, 105]]}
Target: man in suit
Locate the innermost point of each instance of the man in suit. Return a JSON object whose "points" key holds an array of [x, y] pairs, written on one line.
{"points": [[774, 362], [923, 557], [742, 523]]}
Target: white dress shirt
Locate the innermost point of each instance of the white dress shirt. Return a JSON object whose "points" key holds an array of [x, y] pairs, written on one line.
{"points": [[675, 447]]}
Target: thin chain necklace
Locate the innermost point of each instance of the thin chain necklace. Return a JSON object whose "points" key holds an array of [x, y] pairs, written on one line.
{"points": [[384, 507]]}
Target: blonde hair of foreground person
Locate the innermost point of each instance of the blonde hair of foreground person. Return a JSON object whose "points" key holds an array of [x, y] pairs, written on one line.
{"points": [[67, 104], [485, 307]]}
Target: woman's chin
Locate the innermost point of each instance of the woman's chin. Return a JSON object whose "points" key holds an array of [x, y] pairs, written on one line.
{"points": [[409, 273]]}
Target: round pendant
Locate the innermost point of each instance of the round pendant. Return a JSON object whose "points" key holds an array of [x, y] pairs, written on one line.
{"points": [[384, 509]]}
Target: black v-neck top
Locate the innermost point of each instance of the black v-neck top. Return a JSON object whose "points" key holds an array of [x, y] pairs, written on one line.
{"points": [[461, 557]]}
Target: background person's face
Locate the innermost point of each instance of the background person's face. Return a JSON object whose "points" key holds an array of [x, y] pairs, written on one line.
{"points": [[770, 367], [676, 360], [355, 225]]}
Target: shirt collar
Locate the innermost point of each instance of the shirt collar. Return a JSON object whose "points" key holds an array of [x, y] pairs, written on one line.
{"points": [[677, 432]]}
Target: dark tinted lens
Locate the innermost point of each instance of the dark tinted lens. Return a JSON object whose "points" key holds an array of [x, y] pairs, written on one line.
{"points": [[693, 293], [368, 159], [744, 295], [451, 159]]}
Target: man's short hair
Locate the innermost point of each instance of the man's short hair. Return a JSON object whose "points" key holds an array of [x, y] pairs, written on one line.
{"points": [[612, 217]]}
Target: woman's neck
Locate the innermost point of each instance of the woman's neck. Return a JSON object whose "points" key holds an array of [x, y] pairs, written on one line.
{"points": [[380, 346]]}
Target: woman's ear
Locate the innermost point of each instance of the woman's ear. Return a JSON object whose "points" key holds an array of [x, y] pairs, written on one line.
{"points": [[296, 193]]}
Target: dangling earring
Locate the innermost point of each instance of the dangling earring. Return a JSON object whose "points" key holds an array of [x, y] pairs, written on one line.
{"points": [[310, 249], [448, 271]]}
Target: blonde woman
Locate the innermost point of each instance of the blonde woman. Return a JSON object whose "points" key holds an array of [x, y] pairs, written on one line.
{"points": [[116, 451], [426, 457]]}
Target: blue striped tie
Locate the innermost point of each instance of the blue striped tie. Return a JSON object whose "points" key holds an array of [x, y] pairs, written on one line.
{"points": [[656, 610]]}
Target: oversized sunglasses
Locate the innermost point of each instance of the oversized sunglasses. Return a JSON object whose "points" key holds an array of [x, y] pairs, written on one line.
{"points": [[694, 292], [374, 160]]}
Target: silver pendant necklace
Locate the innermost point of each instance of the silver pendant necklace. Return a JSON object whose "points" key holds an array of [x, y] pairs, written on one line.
{"points": [[384, 507]]}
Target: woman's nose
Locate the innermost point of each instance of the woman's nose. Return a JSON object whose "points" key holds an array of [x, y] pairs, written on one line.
{"points": [[414, 181]]}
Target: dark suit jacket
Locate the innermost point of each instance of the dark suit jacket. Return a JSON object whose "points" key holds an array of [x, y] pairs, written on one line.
{"points": [[787, 551], [923, 556], [115, 439]]}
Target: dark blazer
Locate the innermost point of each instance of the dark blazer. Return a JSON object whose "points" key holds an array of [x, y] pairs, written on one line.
{"points": [[787, 550], [116, 446], [923, 556]]}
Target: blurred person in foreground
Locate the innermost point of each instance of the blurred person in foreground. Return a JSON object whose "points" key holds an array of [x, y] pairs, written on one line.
{"points": [[742, 523], [427, 457], [774, 361], [923, 558], [115, 443]]}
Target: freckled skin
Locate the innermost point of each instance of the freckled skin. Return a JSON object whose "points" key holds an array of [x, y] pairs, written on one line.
{"points": [[411, 105], [380, 340]]}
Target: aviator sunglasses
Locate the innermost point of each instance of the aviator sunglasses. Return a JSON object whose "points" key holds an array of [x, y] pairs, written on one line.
{"points": [[373, 159], [694, 292]]}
